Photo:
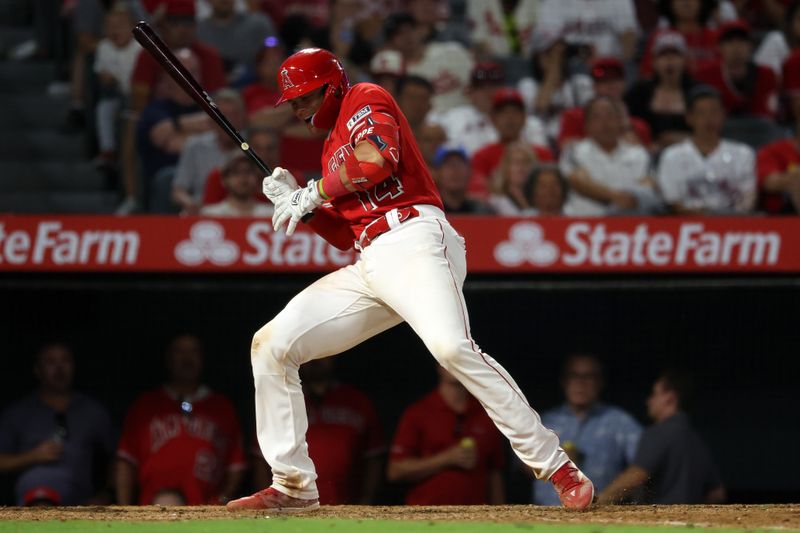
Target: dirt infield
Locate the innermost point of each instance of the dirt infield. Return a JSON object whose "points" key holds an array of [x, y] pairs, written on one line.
{"points": [[738, 516]]}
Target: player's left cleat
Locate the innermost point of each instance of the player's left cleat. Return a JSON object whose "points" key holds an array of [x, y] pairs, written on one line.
{"points": [[575, 490], [270, 499]]}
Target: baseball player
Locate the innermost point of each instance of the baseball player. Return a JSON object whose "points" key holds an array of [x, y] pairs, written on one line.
{"points": [[376, 194]]}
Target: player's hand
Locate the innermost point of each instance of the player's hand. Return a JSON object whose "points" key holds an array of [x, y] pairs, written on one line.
{"points": [[462, 457], [46, 452], [300, 203], [280, 184]]}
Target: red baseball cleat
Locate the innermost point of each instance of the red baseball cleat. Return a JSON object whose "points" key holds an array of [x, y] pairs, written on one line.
{"points": [[574, 488], [271, 499]]}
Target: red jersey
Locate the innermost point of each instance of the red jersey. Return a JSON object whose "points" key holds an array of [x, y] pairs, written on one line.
{"points": [[486, 160], [148, 72], [429, 427], [410, 182], [572, 123], [779, 156], [180, 450], [762, 99]]}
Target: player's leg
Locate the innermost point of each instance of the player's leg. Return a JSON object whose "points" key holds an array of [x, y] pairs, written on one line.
{"points": [[418, 270], [328, 317]]}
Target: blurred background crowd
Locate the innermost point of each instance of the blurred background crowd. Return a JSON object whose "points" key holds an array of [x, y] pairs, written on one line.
{"points": [[520, 107]]}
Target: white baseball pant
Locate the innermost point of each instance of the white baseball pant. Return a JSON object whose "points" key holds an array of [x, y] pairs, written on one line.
{"points": [[413, 273]]}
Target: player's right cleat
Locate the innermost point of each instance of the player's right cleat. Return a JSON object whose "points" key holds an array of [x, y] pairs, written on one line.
{"points": [[575, 490], [270, 499]]}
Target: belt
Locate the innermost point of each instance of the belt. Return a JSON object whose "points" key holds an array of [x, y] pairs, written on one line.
{"points": [[379, 226]]}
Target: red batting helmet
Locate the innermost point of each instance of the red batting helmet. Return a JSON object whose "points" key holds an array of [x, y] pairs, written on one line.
{"points": [[308, 70]]}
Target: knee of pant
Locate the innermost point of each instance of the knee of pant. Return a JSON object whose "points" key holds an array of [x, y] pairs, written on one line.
{"points": [[269, 351], [446, 352]]}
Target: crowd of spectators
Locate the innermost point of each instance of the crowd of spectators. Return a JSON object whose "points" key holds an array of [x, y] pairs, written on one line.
{"points": [[645, 106], [182, 443]]}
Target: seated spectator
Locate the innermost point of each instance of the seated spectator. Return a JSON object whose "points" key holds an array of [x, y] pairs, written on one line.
{"points": [[438, 20], [600, 438], [777, 45], [672, 462], [149, 81], [448, 450], [431, 137], [181, 442], [706, 174], [509, 182], [238, 37], [113, 63], [387, 70], [546, 191], [241, 180], [607, 175], [452, 171], [778, 163], [56, 440], [414, 99], [204, 152], [447, 65], [344, 436], [551, 88], [265, 142], [352, 30], [661, 101], [261, 96], [508, 118], [609, 81], [746, 88], [502, 28], [163, 129], [694, 20], [603, 28], [470, 125]]}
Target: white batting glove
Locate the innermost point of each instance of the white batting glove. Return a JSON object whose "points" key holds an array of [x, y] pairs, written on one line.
{"points": [[280, 184], [301, 202]]}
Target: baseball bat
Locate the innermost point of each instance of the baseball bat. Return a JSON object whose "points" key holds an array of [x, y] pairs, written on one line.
{"points": [[151, 42]]}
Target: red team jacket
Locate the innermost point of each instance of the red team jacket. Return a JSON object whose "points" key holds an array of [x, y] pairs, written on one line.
{"points": [[410, 182], [172, 450]]}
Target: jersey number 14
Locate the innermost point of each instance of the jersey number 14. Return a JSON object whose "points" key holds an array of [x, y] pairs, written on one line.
{"points": [[390, 188]]}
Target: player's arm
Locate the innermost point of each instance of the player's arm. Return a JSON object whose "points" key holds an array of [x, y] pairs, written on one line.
{"points": [[376, 152]]}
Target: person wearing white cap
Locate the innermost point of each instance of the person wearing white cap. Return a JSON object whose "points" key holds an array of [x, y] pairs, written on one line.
{"points": [[661, 100]]}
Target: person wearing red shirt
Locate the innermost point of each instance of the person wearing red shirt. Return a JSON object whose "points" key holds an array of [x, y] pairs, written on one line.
{"points": [[376, 194], [746, 88], [345, 438], [448, 450], [778, 163], [181, 442], [180, 31], [608, 74], [508, 117]]}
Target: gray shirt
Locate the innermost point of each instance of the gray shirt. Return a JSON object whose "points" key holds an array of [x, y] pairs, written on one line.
{"points": [[200, 155], [29, 422], [680, 465], [239, 41]]}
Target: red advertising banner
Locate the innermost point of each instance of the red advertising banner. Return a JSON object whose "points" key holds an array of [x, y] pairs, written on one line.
{"points": [[494, 245]]}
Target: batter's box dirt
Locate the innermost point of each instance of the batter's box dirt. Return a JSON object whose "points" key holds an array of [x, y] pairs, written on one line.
{"points": [[737, 516]]}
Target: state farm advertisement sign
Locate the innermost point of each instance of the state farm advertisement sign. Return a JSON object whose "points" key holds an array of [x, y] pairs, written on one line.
{"points": [[171, 244]]}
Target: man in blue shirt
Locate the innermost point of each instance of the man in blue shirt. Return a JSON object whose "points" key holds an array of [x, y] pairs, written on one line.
{"points": [[54, 437], [601, 439]]}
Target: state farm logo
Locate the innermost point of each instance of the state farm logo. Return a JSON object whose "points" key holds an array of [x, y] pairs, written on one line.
{"points": [[526, 244], [207, 243]]}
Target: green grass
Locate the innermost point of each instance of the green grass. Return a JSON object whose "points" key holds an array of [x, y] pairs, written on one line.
{"points": [[310, 525]]}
